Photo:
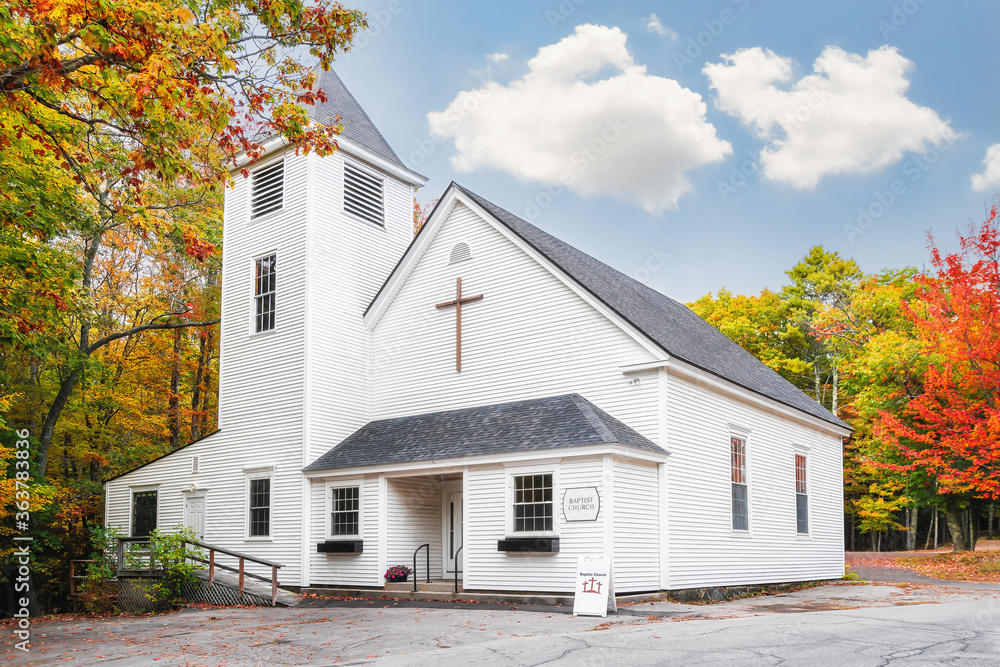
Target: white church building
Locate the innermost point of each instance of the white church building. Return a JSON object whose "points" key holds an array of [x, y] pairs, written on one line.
{"points": [[481, 387]]}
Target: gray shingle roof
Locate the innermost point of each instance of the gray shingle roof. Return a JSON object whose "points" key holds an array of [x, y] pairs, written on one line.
{"points": [[522, 426], [358, 127], [670, 324]]}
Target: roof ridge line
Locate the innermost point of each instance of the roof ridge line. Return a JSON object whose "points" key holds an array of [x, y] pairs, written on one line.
{"points": [[587, 410]]}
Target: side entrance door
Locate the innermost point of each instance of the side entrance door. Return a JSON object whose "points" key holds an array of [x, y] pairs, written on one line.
{"points": [[453, 530], [194, 513]]}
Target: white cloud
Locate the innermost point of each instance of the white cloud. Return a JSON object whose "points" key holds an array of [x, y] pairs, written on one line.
{"points": [[654, 24], [587, 117], [851, 115], [498, 57], [990, 178]]}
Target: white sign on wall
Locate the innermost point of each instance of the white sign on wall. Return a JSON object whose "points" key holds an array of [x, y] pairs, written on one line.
{"points": [[581, 504], [595, 589]]}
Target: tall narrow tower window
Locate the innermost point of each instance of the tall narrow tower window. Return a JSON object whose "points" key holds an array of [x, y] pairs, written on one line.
{"points": [[364, 194], [268, 189], [264, 293]]}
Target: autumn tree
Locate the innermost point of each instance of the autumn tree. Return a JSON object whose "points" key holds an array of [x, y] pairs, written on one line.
{"points": [[761, 325], [822, 280], [951, 429], [880, 366], [120, 119]]}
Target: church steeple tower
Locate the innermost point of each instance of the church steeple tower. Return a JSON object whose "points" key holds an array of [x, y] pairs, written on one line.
{"points": [[328, 230]]}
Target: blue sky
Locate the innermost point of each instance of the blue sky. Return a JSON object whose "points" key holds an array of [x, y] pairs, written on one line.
{"points": [[685, 200]]}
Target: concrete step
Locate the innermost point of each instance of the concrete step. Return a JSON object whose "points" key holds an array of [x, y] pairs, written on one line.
{"points": [[434, 586], [513, 597]]}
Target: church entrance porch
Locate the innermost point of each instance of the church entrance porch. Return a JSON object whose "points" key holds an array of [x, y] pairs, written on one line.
{"points": [[425, 518]]}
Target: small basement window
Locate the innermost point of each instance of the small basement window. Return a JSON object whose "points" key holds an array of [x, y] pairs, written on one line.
{"points": [[268, 187], [364, 194]]}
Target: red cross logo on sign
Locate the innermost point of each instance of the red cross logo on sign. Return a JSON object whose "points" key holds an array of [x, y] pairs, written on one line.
{"points": [[588, 586]]}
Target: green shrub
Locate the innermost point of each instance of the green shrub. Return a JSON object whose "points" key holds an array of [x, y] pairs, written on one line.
{"points": [[169, 554], [98, 591], [166, 555]]}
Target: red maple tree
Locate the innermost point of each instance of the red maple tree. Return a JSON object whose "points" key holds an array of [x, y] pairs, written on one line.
{"points": [[952, 430]]}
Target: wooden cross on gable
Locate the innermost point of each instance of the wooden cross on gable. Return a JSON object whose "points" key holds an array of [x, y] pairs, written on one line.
{"points": [[458, 302]]}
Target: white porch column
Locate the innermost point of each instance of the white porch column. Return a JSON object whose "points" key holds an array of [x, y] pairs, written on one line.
{"points": [[382, 544]]}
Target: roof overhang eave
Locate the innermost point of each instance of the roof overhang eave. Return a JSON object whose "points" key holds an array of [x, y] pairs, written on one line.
{"points": [[458, 463]]}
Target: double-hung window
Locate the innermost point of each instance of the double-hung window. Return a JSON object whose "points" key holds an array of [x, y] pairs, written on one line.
{"points": [[259, 520], [801, 496], [740, 499], [264, 291], [345, 511], [533, 506]]}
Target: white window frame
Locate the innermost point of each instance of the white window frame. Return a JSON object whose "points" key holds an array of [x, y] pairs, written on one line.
{"points": [[374, 174], [359, 484], [249, 475], [253, 294], [803, 451], [521, 471], [744, 435], [253, 174], [142, 488]]}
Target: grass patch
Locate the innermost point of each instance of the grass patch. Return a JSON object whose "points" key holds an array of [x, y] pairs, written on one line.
{"points": [[962, 566]]}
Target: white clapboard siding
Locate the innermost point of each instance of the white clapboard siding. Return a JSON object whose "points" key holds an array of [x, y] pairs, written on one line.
{"points": [[261, 375], [222, 458], [636, 527], [349, 260], [703, 549], [530, 336], [414, 518], [261, 389], [345, 569], [487, 501], [287, 395]]}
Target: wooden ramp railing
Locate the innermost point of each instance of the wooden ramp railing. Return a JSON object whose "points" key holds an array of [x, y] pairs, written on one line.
{"points": [[143, 556]]}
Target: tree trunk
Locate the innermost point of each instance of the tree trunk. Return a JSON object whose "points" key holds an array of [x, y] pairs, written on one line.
{"points": [[956, 525], [48, 428], [199, 376], [975, 512], [911, 528], [207, 389], [173, 401], [932, 531], [989, 529], [816, 385], [836, 384]]}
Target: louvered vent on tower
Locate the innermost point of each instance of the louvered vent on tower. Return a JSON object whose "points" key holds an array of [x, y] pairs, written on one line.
{"points": [[460, 252], [363, 194], [268, 189], [194, 464]]}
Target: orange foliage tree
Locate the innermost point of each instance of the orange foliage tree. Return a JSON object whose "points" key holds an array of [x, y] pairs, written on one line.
{"points": [[952, 429]]}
